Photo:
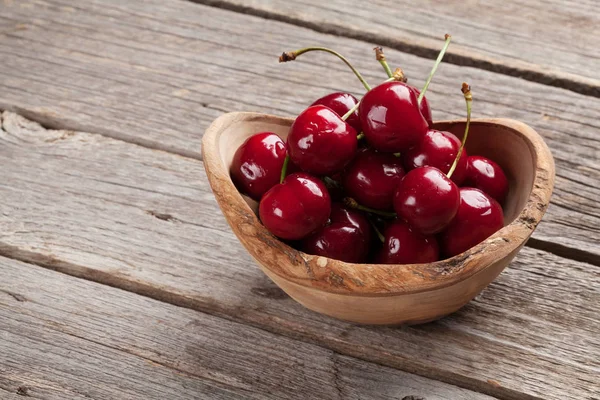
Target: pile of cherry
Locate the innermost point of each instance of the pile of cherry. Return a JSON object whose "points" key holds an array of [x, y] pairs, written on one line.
{"points": [[372, 181]]}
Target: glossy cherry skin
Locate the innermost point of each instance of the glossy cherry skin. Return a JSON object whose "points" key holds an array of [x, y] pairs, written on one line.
{"points": [[437, 149], [346, 238], [298, 206], [372, 177], [257, 164], [320, 142], [404, 245], [424, 107], [341, 103], [390, 117], [426, 199], [486, 175], [478, 217]]}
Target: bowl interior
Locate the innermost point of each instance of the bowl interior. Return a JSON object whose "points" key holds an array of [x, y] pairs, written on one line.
{"points": [[499, 143]]}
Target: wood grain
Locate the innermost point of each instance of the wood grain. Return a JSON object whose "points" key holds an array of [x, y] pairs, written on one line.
{"points": [[66, 338], [144, 220], [159, 74], [552, 42]]}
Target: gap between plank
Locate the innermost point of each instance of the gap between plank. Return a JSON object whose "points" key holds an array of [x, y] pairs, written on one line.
{"points": [[562, 80], [257, 320], [52, 122]]}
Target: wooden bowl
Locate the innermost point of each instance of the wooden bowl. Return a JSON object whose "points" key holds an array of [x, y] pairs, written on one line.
{"points": [[388, 294]]}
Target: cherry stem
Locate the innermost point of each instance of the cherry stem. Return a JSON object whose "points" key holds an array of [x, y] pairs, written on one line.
{"points": [[353, 109], [350, 202], [382, 60], [284, 168], [435, 67], [292, 55], [377, 231], [466, 89], [360, 136], [331, 183]]}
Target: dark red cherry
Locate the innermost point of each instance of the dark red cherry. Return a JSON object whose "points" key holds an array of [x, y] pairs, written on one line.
{"points": [[390, 117], [424, 107], [320, 142], [404, 245], [341, 103], [479, 216], [486, 175], [437, 149], [346, 238], [257, 164], [298, 206], [426, 199], [372, 177]]}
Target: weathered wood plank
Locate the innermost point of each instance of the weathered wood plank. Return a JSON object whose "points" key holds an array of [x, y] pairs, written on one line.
{"points": [[551, 42], [66, 338], [145, 220], [158, 75]]}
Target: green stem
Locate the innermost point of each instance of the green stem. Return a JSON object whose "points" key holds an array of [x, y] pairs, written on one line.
{"points": [[284, 168], [435, 67], [350, 202], [351, 111], [466, 89], [377, 231], [382, 60], [360, 136], [292, 55]]}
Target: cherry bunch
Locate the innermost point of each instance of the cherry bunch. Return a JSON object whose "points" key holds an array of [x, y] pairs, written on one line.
{"points": [[352, 172]]}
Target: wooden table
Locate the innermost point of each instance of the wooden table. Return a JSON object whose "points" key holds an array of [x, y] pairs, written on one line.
{"points": [[119, 278]]}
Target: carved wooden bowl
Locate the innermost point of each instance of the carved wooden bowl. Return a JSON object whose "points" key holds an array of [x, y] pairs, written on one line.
{"points": [[388, 294]]}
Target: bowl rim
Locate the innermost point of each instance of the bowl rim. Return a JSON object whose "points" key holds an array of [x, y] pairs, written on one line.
{"points": [[334, 276]]}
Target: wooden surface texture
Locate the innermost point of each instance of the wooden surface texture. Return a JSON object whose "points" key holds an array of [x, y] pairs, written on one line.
{"points": [[162, 301]]}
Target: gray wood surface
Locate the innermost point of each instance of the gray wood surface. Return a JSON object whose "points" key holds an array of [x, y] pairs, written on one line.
{"points": [[553, 42], [67, 338], [159, 74], [145, 220]]}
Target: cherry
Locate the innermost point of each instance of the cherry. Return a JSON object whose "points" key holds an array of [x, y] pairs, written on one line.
{"points": [[296, 207], [341, 103], [478, 217], [427, 199], [390, 117], [320, 141], [257, 164], [372, 177], [347, 238], [404, 245], [484, 174], [437, 149]]}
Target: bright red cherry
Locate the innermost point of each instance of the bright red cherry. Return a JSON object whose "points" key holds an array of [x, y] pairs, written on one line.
{"points": [[341, 103], [347, 238], [426, 199], [298, 206], [478, 217], [390, 117], [257, 164], [372, 177], [486, 175], [320, 142], [424, 107], [437, 149], [404, 245]]}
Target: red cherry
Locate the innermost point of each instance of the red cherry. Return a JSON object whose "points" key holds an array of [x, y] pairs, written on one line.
{"points": [[257, 164], [426, 199], [437, 149], [486, 175], [404, 245], [347, 238], [390, 117], [478, 217], [372, 177], [320, 142], [424, 107], [298, 206], [341, 103]]}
